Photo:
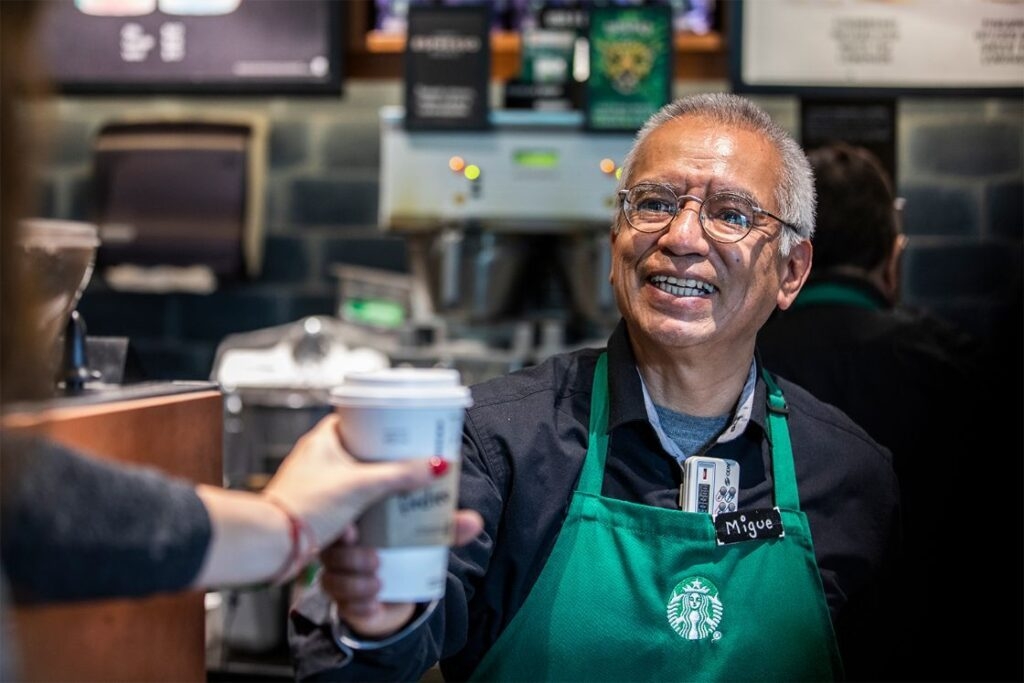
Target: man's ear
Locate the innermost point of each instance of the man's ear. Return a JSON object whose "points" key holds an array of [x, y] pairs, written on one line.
{"points": [[794, 271], [891, 275], [612, 234]]}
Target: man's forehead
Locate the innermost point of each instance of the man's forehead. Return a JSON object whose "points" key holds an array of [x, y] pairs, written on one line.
{"points": [[699, 124], [751, 153]]}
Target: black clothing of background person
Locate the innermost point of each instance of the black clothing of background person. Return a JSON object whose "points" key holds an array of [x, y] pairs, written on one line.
{"points": [[915, 384], [906, 379], [891, 369]]}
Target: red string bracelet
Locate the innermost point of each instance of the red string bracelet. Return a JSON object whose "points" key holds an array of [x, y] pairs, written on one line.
{"points": [[298, 530]]}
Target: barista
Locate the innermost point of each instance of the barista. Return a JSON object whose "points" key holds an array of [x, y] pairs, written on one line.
{"points": [[587, 566]]}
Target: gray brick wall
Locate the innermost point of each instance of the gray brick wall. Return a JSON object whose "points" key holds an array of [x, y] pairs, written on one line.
{"points": [[960, 167], [960, 164]]}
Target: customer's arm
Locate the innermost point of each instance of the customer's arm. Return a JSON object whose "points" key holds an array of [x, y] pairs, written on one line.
{"points": [[316, 493], [74, 527]]}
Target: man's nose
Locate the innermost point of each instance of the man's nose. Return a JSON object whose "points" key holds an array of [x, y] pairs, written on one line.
{"points": [[684, 231]]}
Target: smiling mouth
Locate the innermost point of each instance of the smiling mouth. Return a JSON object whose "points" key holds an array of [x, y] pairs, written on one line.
{"points": [[682, 287]]}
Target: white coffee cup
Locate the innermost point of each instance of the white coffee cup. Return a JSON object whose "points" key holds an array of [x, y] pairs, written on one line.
{"points": [[397, 414]]}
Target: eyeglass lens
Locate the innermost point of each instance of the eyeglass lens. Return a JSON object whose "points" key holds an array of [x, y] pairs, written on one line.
{"points": [[724, 217]]}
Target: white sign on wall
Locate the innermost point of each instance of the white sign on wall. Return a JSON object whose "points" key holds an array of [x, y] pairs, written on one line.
{"points": [[937, 44]]}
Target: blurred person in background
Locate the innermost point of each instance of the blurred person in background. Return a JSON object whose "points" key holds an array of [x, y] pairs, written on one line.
{"points": [[912, 381], [846, 338], [73, 527]]}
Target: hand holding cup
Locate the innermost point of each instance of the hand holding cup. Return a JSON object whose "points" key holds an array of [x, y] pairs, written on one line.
{"points": [[349, 577], [400, 414]]}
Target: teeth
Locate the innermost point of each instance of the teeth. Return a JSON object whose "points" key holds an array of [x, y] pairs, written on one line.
{"points": [[682, 287]]}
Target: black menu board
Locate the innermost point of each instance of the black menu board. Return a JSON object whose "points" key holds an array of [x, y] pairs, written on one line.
{"points": [[192, 46], [869, 123], [447, 67]]}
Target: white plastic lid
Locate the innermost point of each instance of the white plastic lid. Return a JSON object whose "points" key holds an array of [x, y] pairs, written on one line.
{"points": [[402, 387]]}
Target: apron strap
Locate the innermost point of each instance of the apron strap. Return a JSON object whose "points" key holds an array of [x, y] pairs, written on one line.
{"points": [[832, 293], [597, 443], [783, 469]]}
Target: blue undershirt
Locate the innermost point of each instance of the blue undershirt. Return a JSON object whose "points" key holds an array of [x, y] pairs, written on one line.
{"points": [[691, 433]]}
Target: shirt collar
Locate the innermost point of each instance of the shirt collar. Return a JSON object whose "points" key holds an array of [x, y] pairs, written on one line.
{"points": [[625, 393], [629, 400], [856, 283], [738, 423]]}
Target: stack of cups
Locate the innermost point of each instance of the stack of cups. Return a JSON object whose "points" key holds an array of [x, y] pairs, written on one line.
{"points": [[396, 414]]}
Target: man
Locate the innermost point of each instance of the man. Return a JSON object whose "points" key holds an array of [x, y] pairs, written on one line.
{"points": [[847, 340], [586, 562]]}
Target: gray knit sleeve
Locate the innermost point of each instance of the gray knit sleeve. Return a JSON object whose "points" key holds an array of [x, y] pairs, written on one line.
{"points": [[73, 527]]}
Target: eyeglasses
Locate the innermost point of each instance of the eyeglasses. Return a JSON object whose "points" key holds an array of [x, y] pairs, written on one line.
{"points": [[724, 216]]}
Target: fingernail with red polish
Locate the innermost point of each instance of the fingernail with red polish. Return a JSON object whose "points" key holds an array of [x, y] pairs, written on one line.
{"points": [[438, 466]]}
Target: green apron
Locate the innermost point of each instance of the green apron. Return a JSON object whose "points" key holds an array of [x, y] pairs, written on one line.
{"points": [[635, 592]]}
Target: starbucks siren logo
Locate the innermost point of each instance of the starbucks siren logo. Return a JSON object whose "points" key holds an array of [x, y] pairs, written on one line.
{"points": [[694, 610]]}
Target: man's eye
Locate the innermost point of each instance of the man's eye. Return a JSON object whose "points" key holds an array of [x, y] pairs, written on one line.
{"points": [[735, 218], [730, 215], [655, 205]]}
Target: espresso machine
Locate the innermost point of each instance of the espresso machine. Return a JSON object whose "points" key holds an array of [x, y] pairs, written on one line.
{"points": [[507, 232]]}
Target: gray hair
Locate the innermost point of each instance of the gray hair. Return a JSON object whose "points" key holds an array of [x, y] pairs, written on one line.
{"points": [[794, 194]]}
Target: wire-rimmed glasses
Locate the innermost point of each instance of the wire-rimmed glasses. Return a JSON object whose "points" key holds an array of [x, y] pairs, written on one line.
{"points": [[725, 217]]}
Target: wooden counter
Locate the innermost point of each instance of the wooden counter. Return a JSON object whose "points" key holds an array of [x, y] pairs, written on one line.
{"points": [[154, 639]]}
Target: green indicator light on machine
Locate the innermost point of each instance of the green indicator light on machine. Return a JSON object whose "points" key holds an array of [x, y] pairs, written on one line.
{"points": [[472, 172], [536, 158], [376, 312]]}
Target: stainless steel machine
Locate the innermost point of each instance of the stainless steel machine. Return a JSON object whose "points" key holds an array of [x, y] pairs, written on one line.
{"points": [[507, 228]]}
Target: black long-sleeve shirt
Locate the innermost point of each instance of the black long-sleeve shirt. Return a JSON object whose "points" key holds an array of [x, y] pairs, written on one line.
{"points": [[523, 446]]}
